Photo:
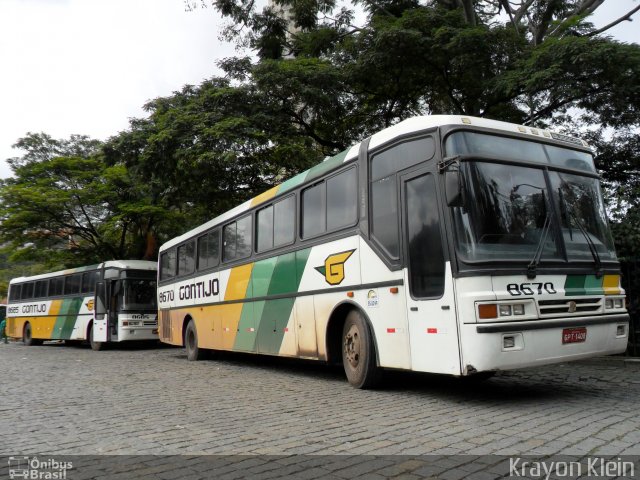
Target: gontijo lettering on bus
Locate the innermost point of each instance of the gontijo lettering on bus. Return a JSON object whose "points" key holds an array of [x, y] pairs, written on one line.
{"points": [[199, 289]]}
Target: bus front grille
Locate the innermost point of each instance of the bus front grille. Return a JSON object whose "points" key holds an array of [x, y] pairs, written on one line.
{"points": [[570, 306]]}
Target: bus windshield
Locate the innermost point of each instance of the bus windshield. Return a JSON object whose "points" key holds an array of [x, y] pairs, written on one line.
{"points": [[137, 294], [512, 211]]}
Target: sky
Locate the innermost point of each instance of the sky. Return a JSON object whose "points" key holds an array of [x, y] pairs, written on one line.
{"points": [[87, 66]]}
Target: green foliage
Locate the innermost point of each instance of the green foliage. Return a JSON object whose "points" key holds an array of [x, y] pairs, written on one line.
{"points": [[208, 148], [61, 211], [618, 160]]}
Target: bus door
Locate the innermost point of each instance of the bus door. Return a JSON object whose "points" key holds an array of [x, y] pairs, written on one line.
{"points": [[428, 283], [115, 300], [100, 317], [105, 322]]}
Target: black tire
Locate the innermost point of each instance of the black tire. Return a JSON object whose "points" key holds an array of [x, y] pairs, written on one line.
{"points": [[359, 352], [97, 346], [27, 336], [479, 377], [194, 352]]}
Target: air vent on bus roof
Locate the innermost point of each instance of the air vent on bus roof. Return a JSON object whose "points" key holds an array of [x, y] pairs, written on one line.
{"points": [[566, 138]]}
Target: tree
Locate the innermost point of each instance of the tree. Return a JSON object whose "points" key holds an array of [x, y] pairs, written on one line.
{"points": [[532, 62], [526, 61], [206, 149], [66, 207]]}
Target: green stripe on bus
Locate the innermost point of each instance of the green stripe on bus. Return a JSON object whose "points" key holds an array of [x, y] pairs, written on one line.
{"points": [[258, 287], [292, 183], [262, 324], [275, 317], [261, 277], [314, 172], [593, 285], [576, 285], [284, 278], [276, 313], [67, 318], [245, 337], [328, 164]]}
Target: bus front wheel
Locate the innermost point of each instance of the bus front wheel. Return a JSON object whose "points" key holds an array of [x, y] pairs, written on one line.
{"points": [[194, 352], [27, 336], [358, 352]]}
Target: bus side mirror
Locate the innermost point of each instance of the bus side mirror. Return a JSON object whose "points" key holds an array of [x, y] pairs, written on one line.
{"points": [[99, 301], [453, 188]]}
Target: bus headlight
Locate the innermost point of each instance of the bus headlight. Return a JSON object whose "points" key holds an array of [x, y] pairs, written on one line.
{"points": [[614, 303], [494, 310]]}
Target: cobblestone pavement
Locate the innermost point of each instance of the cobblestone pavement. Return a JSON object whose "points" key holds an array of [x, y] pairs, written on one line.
{"points": [[65, 400]]}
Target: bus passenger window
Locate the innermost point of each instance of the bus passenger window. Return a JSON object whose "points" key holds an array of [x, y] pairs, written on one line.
{"points": [[41, 289], [384, 214], [237, 239], [186, 258], [27, 291], [314, 220], [342, 199], [56, 286], [264, 231], [168, 264], [244, 237], [89, 282], [229, 242], [284, 221], [14, 292], [72, 284], [208, 248], [275, 224]]}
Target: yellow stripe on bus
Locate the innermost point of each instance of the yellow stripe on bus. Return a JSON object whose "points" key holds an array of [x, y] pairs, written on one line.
{"points": [[611, 285], [238, 281], [263, 197], [47, 327]]}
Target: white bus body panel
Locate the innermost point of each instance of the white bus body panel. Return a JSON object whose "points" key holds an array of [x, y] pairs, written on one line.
{"points": [[482, 351], [433, 330]]}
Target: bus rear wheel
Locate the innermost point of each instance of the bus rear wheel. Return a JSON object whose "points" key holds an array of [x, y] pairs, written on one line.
{"points": [[27, 336], [358, 352], [194, 353], [97, 346]]}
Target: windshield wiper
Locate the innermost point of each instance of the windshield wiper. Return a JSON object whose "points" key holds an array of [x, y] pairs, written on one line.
{"points": [[535, 261], [592, 246]]}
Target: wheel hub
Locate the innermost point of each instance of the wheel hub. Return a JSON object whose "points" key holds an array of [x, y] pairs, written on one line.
{"points": [[352, 346]]}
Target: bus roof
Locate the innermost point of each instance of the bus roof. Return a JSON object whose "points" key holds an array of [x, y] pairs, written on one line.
{"points": [[406, 127], [121, 264]]}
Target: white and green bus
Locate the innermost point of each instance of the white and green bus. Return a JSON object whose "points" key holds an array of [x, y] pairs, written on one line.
{"points": [[443, 244], [114, 301]]}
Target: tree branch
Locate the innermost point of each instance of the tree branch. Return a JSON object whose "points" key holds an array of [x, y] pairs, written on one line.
{"points": [[615, 22]]}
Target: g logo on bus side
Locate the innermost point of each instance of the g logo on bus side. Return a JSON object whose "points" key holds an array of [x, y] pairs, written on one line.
{"points": [[333, 268]]}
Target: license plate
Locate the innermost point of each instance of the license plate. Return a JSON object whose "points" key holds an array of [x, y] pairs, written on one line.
{"points": [[574, 335]]}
